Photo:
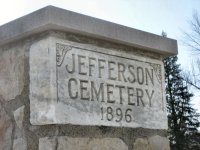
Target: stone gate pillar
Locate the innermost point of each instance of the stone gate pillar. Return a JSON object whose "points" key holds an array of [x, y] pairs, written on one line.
{"points": [[73, 82]]}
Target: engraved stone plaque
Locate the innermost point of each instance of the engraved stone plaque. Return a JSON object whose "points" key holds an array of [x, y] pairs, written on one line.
{"points": [[82, 84]]}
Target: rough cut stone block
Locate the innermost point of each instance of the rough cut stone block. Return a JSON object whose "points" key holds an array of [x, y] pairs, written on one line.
{"points": [[11, 72], [67, 143], [5, 130], [19, 144], [47, 143], [73, 83], [19, 116], [141, 144], [151, 143], [158, 143]]}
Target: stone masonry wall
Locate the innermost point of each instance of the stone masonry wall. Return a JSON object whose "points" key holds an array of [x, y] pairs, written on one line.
{"points": [[16, 131]]}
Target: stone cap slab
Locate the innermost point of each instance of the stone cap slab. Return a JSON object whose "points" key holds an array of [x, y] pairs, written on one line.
{"points": [[53, 18]]}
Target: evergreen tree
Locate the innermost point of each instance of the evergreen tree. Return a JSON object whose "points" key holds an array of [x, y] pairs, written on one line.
{"points": [[182, 118]]}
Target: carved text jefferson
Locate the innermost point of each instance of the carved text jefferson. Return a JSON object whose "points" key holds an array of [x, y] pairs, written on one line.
{"points": [[128, 81]]}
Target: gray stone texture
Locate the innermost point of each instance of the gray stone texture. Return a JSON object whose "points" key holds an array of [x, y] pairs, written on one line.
{"points": [[19, 116], [67, 143], [6, 128], [152, 143], [52, 18], [158, 143], [11, 72], [141, 144], [19, 144]]}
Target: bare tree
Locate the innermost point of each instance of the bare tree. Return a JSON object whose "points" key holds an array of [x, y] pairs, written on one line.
{"points": [[192, 39]]}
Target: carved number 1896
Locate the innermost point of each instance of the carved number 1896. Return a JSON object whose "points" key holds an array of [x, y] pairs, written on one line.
{"points": [[116, 114]]}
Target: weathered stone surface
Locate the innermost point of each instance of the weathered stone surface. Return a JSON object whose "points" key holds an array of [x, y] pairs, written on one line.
{"points": [[151, 143], [11, 72], [19, 116], [52, 18], [19, 144], [43, 92], [73, 83], [5, 130], [67, 143], [141, 144], [158, 143], [48, 143], [113, 85]]}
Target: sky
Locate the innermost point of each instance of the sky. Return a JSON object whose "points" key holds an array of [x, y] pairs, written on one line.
{"points": [[154, 16]]}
